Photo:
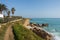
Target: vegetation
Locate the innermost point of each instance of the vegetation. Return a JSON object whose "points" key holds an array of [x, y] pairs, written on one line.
{"points": [[3, 8], [21, 33], [1, 20], [13, 10], [8, 13], [2, 31]]}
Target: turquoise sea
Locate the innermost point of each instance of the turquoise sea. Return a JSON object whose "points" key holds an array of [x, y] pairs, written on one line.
{"points": [[53, 27]]}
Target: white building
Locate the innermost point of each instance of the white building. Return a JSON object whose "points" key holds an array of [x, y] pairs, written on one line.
{"points": [[1, 16]]}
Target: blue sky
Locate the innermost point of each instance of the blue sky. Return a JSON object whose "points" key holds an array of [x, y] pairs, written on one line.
{"points": [[35, 8]]}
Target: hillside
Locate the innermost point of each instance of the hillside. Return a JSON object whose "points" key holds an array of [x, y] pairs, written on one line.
{"points": [[18, 31], [21, 33]]}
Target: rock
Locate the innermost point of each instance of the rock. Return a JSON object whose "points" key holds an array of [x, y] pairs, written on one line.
{"points": [[44, 24], [42, 33]]}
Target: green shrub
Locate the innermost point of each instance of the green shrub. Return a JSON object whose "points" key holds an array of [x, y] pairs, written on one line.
{"points": [[21, 33], [1, 20]]}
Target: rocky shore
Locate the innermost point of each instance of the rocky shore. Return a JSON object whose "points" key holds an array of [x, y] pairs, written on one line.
{"points": [[38, 25], [37, 28]]}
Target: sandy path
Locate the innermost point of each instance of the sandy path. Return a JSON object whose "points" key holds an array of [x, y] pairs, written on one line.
{"points": [[26, 22], [9, 34]]}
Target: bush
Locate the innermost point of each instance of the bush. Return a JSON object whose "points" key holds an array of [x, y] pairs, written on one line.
{"points": [[1, 20]]}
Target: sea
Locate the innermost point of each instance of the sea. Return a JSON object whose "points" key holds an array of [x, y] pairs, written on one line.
{"points": [[53, 26]]}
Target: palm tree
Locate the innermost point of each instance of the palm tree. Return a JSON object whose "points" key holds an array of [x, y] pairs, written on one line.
{"points": [[0, 8], [13, 10], [8, 13], [3, 8]]}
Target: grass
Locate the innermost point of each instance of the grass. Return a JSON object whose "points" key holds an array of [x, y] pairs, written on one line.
{"points": [[21, 33], [2, 32], [1, 20]]}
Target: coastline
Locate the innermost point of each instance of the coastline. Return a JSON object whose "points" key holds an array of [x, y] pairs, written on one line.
{"points": [[47, 36]]}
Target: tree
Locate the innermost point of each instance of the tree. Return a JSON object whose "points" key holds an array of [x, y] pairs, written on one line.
{"points": [[3, 8], [8, 13], [13, 10], [0, 8]]}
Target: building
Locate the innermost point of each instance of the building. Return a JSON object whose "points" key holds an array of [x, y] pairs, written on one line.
{"points": [[1, 16]]}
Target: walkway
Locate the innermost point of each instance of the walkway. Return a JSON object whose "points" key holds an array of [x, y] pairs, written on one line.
{"points": [[9, 34]]}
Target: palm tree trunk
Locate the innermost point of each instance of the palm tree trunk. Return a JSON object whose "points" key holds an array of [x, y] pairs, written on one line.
{"points": [[12, 15], [0, 12]]}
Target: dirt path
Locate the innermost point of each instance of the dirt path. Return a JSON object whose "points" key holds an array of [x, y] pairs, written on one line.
{"points": [[9, 34], [26, 22]]}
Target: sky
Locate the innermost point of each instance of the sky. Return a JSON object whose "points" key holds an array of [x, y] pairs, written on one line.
{"points": [[35, 8]]}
